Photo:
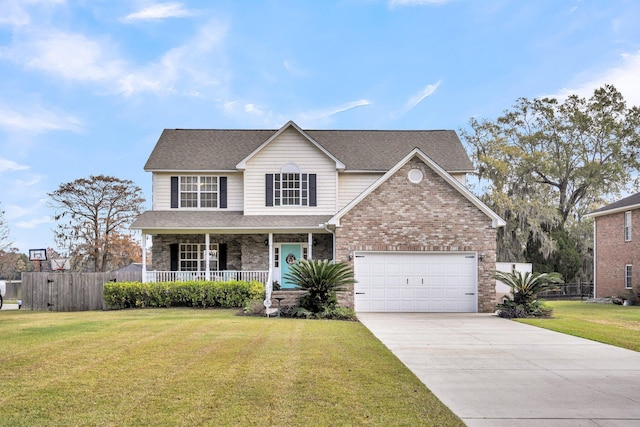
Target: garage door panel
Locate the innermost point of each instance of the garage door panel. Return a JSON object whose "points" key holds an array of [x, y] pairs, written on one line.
{"points": [[417, 282], [409, 293], [379, 294]]}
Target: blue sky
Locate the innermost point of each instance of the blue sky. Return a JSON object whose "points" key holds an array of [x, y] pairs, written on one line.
{"points": [[87, 86]]}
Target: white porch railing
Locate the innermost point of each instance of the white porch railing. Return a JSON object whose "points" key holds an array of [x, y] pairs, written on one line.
{"points": [[183, 276]]}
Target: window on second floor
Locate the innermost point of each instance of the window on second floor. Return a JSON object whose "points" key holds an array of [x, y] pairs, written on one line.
{"points": [[193, 191], [290, 187], [627, 226], [628, 276]]}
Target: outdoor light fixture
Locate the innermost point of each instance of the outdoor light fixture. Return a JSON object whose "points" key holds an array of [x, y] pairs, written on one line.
{"points": [[481, 256], [266, 242]]}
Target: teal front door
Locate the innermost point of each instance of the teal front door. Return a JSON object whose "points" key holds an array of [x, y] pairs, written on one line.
{"points": [[290, 254]]}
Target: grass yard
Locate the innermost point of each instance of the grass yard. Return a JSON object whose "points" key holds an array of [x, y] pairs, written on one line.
{"points": [[607, 323], [171, 367]]}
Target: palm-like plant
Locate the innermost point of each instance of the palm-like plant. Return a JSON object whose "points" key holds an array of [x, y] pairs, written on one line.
{"points": [[321, 280], [524, 289]]}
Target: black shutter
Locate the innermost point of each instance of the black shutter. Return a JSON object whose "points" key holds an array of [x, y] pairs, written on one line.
{"points": [[222, 256], [223, 192], [269, 189], [173, 256], [174, 192], [313, 198]]}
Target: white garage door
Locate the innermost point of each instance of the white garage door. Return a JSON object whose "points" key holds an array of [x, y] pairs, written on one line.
{"points": [[415, 282]]}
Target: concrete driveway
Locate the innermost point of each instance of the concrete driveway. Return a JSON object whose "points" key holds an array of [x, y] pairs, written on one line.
{"points": [[495, 372]]}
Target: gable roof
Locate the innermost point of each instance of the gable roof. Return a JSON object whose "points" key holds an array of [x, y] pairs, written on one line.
{"points": [[290, 124], [496, 220], [628, 203], [358, 150]]}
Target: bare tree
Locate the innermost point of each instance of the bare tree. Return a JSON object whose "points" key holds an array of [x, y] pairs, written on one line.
{"points": [[4, 232], [92, 211]]}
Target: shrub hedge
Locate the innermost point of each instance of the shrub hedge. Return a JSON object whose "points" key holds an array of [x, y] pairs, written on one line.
{"points": [[200, 294]]}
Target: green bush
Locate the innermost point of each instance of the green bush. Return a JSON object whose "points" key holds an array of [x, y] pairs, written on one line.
{"points": [[321, 280], [335, 312], [200, 294]]}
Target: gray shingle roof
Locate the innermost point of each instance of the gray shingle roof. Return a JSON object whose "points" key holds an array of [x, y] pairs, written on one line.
{"points": [[220, 221], [373, 150], [627, 202]]}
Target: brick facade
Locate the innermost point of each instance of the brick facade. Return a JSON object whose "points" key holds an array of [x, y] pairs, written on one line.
{"points": [[244, 251], [399, 215], [613, 253], [428, 216]]}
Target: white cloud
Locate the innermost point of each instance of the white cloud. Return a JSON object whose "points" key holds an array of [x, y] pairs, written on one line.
{"points": [[397, 3], [33, 223], [290, 66], [10, 165], [421, 95], [159, 11], [308, 119], [417, 98], [30, 183], [247, 112], [623, 76], [252, 109], [37, 120], [67, 55], [185, 69], [14, 13], [198, 63]]}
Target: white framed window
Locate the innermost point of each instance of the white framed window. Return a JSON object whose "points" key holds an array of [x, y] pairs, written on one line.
{"points": [[198, 192], [628, 276], [290, 189], [627, 226], [192, 257]]}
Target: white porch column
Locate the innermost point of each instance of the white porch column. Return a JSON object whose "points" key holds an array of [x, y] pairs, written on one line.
{"points": [[207, 272], [270, 253], [144, 258], [269, 285], [310, 246]]}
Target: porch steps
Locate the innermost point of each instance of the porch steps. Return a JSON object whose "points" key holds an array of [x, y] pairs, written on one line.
{"points": [[289, 297]]}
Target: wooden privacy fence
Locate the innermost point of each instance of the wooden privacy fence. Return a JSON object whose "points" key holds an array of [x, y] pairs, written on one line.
{"points": [[69, 291]]}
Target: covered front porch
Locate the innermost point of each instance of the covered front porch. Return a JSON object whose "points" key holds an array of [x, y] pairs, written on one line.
{"points": [[264, 257]]}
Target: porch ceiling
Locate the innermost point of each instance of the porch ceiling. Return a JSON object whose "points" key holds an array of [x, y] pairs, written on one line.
{"points": [[182, 221]]}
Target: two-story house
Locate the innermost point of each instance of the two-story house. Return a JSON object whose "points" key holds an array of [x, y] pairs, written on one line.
{"points": [[617, 248], [248, 203]]}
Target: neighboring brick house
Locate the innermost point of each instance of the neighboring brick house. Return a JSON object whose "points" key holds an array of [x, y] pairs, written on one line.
{"points": [[617, 248], [393, 204]]}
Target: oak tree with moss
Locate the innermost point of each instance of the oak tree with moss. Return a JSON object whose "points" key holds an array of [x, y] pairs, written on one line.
{"points": [[545, 163]]}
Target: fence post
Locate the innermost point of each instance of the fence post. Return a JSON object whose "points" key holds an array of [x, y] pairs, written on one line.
{"points": [[581, 291]]}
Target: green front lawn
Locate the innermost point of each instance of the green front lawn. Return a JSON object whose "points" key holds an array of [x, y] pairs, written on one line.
{"points": [[202, 367], [607, 323]]}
